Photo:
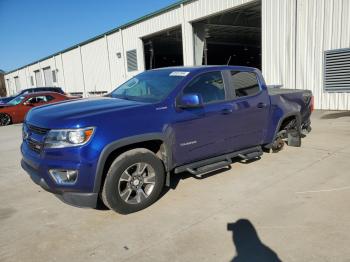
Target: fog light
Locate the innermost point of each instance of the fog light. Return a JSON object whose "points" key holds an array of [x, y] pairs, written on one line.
{"points": [[64, 177]]}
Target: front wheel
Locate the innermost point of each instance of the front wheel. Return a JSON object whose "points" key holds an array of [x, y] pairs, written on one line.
{"points": [[134, 181], [5, 119]]}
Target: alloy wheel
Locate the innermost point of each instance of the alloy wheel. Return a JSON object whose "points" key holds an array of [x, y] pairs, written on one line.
{"points": [[137, 183], [4, 120]]}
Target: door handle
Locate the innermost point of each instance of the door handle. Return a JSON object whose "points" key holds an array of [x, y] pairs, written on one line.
{"points": [[261, 105], [226, 111]]}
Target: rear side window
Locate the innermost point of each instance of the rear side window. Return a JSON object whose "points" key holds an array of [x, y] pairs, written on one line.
{"points": [[245, 83], [49, 98], [209, 85]]}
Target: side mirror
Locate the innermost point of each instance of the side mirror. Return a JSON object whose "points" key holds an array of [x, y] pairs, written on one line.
{"points": [[191, 101]]}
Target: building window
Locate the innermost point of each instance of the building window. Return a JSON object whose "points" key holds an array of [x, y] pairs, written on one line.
{"points": [[131, 58], [337, 70], [54, 76], [32, 80], [38, 78], [8, 83], [17, 83], [48, 76]]}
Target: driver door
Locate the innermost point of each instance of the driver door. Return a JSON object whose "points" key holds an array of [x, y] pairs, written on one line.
{"points": [[200, 133]]}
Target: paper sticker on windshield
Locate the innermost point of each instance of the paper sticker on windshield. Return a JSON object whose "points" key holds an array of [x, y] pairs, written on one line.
{"points": [[179, 73]]}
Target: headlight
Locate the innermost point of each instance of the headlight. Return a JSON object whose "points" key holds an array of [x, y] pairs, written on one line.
{"points": [[24, 131], [68, 137]]}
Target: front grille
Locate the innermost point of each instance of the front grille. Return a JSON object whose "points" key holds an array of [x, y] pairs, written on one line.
{"points": [[38, 130], [34, 145]]}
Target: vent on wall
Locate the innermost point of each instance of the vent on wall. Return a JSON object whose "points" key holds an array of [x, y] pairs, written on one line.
{"points": [[337, 70], [131, 58]]}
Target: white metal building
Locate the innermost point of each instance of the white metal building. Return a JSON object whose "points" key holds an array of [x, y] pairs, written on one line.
{"points": [[297, 43]]}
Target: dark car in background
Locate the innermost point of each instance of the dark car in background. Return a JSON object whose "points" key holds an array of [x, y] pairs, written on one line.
{"points": [[4, 100]]}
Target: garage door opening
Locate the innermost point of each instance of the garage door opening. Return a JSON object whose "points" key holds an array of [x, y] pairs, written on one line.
{"points": [[232, 38], [164, 49]]}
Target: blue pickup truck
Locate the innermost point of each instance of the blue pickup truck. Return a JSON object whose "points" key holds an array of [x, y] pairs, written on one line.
{"points": [[124, 148]]}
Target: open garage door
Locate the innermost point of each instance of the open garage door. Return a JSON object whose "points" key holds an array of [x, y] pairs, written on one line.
{"points": [[163, 49], [232, 37]]}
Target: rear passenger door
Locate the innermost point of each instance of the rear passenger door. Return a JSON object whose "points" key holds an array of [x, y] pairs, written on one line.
{"points": [[250, 110]]}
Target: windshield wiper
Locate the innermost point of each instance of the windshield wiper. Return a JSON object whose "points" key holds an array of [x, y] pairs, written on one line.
{"points": [[124, 97]]}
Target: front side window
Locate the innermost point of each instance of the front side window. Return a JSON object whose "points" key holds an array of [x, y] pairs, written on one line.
{"points": [[209, 85], [245, 83], [37, 99]]}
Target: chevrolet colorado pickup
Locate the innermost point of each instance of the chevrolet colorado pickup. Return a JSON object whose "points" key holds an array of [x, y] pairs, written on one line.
{"points": [[123, 148]]}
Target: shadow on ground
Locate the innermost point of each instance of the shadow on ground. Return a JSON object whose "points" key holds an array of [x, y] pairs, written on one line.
{"points": [[248, 244], [336, 115]]}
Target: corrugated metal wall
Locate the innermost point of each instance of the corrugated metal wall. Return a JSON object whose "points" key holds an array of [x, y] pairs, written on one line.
{"points": [[60, 72], [295, 34], [199, 9], [132, 36], [73, 70], [116, 63], [96, 70], [327, 26], [278, 42]]}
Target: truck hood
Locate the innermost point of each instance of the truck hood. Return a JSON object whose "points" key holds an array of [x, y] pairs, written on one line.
{"points": [[75, 113]]}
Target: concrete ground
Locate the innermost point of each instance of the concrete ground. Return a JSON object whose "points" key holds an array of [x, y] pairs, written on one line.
{"points": [[293, 205]]}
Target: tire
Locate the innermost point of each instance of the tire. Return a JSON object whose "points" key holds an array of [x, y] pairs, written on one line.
{"points": [[5, 119], [134, 181]]}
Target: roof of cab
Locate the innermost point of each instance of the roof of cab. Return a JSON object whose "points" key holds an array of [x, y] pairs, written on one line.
{"points": [[195, 69]]}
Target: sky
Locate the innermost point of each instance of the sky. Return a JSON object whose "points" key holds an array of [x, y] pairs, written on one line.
{"points": [[33, 29]]}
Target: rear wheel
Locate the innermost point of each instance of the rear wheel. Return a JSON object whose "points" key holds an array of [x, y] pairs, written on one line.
{"points": [[5, 119], [134, 181]]}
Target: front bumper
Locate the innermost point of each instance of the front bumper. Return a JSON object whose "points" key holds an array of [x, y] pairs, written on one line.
{"points": [[72, 198]]}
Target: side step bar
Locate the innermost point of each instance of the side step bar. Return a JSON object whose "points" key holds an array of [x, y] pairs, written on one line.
{"points": [[251, 155], [205, 166], [209, 168]]}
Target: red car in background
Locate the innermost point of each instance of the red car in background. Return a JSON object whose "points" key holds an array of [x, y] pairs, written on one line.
{"points": [[15, 110]]}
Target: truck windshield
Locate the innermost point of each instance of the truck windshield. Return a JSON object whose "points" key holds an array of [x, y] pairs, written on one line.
{"points": [[150, 86]]}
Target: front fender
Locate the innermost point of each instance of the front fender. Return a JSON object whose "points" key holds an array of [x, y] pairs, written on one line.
{"points": [[108, 149]]}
